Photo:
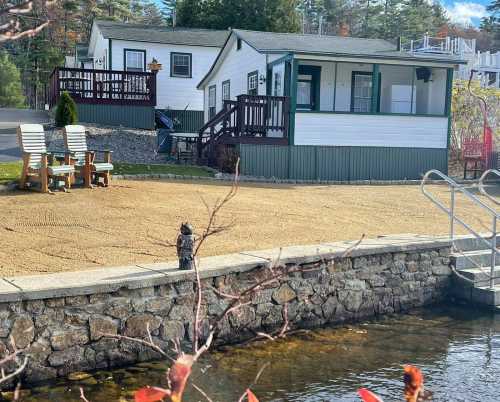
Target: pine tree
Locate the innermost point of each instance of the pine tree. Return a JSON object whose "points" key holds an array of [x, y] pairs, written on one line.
{"points": [[491, 24], [260, 15], [151, 15], [116, 10], [11, 94], [169, 11]]}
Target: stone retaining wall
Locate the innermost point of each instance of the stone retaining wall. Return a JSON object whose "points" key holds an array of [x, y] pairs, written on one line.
{"points": [[64, 333]]}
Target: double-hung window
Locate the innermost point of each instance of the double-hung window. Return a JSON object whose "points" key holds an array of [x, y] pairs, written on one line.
{"points": [[180, 65], [226, 90], [253, 83], [212, 96], [135, 60]]}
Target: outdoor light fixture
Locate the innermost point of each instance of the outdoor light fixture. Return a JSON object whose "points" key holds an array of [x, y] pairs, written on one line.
{"points": [[154, 66]]}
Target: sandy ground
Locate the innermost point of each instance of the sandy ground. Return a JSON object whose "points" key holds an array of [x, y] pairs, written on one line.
{"points": [[132, 221]]}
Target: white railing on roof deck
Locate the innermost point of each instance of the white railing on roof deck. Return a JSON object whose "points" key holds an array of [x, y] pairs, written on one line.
{"points": [[446, 45]]}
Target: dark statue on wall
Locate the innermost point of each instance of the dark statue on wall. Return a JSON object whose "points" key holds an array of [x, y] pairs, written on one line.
{"points": [[185, 247]]}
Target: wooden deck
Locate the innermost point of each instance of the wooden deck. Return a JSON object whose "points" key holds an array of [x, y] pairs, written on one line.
{"points": [[250, 119], [103, 86]]}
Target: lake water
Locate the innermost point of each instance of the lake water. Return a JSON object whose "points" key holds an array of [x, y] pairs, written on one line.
{"points": [[457, 349]]}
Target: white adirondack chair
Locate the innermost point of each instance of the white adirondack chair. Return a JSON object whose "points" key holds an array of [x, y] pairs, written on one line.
{"points": [[37, 162], [84, 159]]}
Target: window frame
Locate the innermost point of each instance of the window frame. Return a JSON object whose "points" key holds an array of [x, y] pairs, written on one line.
{"points": [[190, 58], [256, 75], [212, 109], [125, 51], [353, 84], [277, 80], [224, 83]]}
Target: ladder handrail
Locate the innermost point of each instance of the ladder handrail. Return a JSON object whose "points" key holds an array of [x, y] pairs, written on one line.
{"points": [[480, 184], [454, 186]]}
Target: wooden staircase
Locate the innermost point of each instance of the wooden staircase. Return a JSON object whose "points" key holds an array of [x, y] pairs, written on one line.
{"points": [[251, 119]]}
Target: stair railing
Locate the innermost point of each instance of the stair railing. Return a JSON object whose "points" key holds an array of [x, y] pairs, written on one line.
{"points": [[482, 189], [450, 211]]}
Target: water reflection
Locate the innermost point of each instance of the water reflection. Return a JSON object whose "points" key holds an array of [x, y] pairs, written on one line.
{"points": [[457, 350]]}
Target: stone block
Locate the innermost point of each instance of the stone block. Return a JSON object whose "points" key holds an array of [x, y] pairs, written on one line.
{"points": [[118, 308], [136, 325], [68, 337], [76, 301], [101, 325], [284, 294], [172, 330], [23, 331], [69, 357], [350, 299], [181, 313], [441, 270], [329, 307], [35, 306]]}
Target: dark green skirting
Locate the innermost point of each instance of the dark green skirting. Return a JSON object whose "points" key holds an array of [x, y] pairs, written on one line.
{"points": [[186, 121], [142, 117], [302, 162]]}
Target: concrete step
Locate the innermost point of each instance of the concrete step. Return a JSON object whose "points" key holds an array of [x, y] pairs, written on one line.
{"points": [[481, 276], [486, 296], [472, 259], [471, 243]]}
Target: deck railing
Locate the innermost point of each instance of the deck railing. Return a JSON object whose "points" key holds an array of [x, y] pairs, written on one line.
{"points": [[103, 86], [248, 119]]}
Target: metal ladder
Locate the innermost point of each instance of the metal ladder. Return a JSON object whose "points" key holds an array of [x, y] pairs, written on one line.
{"points": [[450, 211]]}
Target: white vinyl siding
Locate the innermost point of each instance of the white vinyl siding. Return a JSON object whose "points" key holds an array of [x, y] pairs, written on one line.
{"points": [[370, 130], [172, 92], [235, 66]]}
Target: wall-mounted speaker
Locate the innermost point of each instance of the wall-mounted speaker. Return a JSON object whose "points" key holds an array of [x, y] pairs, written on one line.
{"points": [[423, 73]]}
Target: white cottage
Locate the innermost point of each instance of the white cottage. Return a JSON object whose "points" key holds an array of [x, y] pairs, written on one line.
{"points": [[114, 71], [326, 107]]}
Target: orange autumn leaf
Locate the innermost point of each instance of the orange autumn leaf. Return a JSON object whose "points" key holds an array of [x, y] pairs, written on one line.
{"points": [[368, 396], [150, 394], [251, 396], [178, 376], [414, 383]]}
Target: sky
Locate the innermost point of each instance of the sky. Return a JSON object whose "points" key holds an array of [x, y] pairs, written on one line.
{"points": [[464, 12]]}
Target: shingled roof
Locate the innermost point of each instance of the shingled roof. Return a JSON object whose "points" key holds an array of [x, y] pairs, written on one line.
{"points": [[147, 33], [333, 45]]}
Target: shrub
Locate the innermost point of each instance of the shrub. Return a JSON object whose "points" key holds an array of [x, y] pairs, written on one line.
{"points": [[66, 110]]}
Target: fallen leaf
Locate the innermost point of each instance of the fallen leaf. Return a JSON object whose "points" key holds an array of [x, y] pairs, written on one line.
{"points": [[368, 396], [150, 394]]}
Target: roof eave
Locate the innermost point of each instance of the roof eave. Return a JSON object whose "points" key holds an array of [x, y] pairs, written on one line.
{"points": [[200, 84], [159, 42], [379, 56]]}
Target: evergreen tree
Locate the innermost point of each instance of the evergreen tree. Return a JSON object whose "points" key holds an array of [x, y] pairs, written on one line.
{"points": [[260, 15], [66, 112], [151, 15], [116, 10], [11, 94], [169, 11], [491, 24]]}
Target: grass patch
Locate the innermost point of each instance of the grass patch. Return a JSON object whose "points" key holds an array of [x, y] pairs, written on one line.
{"points": [[136, 168], [10, 171]]}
